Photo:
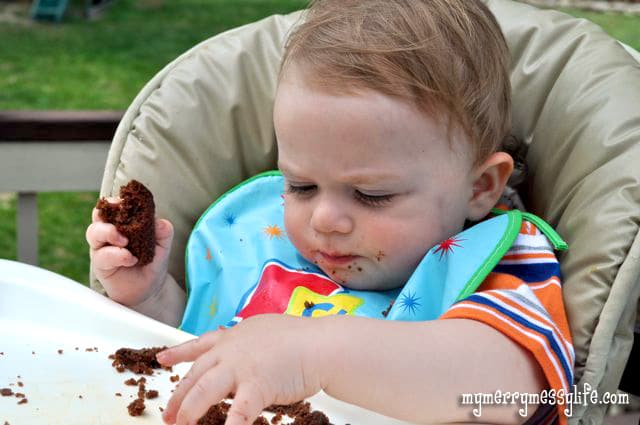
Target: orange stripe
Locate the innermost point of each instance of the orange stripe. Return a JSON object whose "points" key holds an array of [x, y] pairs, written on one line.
{"points": [[528, 256], [500, 281], [528, 228]]}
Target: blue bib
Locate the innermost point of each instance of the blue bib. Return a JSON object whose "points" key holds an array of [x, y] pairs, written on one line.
{"points": [[240, 263]]}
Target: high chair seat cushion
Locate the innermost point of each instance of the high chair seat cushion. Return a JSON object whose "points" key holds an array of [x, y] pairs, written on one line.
{"points": [[204, 123]]}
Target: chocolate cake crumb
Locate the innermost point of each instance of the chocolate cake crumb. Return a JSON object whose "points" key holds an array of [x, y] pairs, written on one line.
{"points": [[161, 409], [300, 411], [134, 217], [151, 394], [23, 401], [141, 390], [19, 395], [314, 418], [299, 408], [80, 396], [131, 382], [136, 407], [174, 378], [216, 415], [386, 312], [90, 350], [118, 394], [6, 392], [141, 361], [60, 351], [20, 384]]}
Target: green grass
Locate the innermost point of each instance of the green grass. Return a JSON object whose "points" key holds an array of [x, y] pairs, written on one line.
{"points": [[98, 65], [102, 65]]}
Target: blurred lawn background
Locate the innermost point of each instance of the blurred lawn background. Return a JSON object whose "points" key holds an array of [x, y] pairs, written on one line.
{"points": [[102, 64]]}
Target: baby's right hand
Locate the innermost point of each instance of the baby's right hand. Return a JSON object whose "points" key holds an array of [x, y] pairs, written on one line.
{"points": [[115, 267]]}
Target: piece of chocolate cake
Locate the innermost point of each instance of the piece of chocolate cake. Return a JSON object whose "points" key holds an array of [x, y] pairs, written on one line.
{"points": [[134, 217], [136, 407], [141, 361], [314, 418]]}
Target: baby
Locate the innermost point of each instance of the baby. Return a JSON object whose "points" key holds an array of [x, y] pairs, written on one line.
{"points": [[390, 118]]}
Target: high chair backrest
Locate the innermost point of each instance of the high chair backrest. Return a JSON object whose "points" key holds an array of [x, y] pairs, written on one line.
{"points": [[204, 123]]}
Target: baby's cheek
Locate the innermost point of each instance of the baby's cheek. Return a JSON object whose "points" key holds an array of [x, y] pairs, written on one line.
{"points": [[294, 226], [399, 245]]}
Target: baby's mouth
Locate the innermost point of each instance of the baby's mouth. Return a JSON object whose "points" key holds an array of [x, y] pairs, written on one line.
{"points": [[336, 259]]}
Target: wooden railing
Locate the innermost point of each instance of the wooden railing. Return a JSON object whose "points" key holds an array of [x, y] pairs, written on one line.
{"points": [[50, 151]]}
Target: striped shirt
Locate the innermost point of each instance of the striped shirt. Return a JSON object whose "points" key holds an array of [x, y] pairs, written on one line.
{"points": [[522, 298]]}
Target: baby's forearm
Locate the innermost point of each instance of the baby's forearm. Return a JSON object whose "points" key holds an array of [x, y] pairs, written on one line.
{"points": [[166, 305], [417, 371]]}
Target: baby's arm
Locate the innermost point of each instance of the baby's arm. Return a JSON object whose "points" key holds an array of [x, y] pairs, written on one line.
{"points": [[166, 305], [418, 371]]}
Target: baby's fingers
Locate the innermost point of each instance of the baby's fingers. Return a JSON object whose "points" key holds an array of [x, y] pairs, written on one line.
{"points": [[164, 233], [188, 351], [95, 214], [196, 393], [247, 405], [109, 258], [100, 234]]}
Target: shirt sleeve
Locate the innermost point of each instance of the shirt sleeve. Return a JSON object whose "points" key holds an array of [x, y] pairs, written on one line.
{"points": [[522, 298]]}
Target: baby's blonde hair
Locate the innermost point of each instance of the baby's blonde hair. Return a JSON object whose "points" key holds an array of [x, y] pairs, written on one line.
{"points": [[439, 55]]}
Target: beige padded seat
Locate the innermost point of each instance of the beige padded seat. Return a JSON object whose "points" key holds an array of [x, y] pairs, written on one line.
{"points": [[203, 124]]}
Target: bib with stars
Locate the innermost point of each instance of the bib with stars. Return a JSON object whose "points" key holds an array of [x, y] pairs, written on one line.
{"points": [[239, 263]]}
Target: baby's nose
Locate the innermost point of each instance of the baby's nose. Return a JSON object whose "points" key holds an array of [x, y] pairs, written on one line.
{"points": [[330, 217]]}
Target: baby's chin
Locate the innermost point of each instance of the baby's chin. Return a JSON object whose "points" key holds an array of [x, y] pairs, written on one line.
{"points": [[360, 281]]}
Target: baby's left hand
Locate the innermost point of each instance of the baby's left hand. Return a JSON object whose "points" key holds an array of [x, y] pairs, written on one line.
{"points": [[263, 360]]}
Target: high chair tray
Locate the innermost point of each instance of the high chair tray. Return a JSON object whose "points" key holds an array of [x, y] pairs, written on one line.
{"points": [[55, 339]]}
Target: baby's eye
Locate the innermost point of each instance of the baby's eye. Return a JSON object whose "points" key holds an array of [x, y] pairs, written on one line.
{"points": [[303, 190], [373, 200]]}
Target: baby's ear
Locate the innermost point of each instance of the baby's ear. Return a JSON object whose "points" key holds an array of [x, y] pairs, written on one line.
{"points": [[489, 180]]}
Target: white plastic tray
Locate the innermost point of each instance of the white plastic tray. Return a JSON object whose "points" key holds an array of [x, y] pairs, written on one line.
{"points": [[42, 312]]}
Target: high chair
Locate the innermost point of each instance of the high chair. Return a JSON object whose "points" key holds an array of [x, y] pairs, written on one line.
{"points": [[204, 124]]}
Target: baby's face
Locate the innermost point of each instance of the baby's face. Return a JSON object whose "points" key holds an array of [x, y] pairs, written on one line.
{"points": [[372, 183]]}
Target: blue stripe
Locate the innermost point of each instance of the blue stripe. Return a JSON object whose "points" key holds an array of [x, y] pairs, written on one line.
{"points": [[477, 298], [530, 273]]}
